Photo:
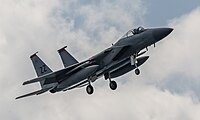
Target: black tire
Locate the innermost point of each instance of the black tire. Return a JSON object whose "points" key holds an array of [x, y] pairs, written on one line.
{"points": [[89, 89], [113, 85], [137, 71], [52, 91]]}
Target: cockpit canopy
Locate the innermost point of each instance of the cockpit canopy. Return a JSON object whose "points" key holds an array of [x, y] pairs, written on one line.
{"points": [[133, 32]]}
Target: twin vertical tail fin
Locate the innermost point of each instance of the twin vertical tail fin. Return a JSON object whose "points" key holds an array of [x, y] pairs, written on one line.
{"points": [[66, 57], [40, 67]]}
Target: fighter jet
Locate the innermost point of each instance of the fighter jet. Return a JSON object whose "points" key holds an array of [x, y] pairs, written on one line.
{"points": [[122, 57]]}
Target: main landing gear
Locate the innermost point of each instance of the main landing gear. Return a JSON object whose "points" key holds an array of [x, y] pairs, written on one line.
{"points": [[112, 84], [89, 88]]}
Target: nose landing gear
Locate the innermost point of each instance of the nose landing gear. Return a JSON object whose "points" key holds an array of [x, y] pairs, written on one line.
{"points": [[89, 89], [137, 71], [133, 62]]}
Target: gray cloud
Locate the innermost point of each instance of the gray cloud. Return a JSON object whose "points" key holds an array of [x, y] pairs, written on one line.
{"points": [[87, 28]]}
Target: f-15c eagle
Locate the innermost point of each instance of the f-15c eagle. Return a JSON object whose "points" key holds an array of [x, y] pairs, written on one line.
{"points": [[123, 56]]}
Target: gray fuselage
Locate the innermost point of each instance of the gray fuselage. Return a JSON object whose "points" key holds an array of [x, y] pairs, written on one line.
{"points": [[116, 57]]}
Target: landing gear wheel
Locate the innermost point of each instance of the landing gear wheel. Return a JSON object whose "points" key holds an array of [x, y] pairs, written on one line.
{"points": [[137, 71], [113, 85], [89, 89]]}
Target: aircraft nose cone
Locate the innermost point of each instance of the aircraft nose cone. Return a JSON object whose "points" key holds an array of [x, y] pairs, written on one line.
{"points": [[160, 33]]}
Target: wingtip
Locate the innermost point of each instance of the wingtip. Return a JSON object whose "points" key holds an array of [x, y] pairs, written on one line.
{"points": [[17, 98], [61, 49], [34, 54], [24, 83]]}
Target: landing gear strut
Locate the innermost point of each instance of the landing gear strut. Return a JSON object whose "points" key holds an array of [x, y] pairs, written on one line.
{"points": [[133, 62], [89, 88]]}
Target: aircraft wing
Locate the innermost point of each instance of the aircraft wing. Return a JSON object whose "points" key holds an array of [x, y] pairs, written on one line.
{"points": [[35, 93], [117, 50], [79, 85], [120, 50], [33, 80], [41, 78]]}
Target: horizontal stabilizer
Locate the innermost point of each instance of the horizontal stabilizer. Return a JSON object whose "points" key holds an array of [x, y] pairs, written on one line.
{"points": [[52, 75], [35, 93], [33, 81], [43, 78]]}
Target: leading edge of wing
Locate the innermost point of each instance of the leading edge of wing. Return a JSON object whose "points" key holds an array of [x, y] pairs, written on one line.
{"points": [[121, 51], [35, 93]]}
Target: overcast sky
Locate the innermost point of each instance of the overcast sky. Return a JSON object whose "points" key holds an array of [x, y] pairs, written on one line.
{"points": [[169, 84]]}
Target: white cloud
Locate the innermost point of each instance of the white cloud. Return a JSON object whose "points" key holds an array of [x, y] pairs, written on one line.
{"points": [[176, 58], [27, 26]]}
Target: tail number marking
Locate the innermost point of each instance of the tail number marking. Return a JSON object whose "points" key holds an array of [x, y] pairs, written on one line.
{"points": [[43, 69]]}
